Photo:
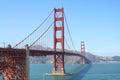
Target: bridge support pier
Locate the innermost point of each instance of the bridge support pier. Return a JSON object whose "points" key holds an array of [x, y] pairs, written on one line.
{"points": [[82, 61], [14, 63], [27, 62]]}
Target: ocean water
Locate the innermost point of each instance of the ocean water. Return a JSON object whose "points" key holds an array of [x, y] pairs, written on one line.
{"points": [[102, 71]]}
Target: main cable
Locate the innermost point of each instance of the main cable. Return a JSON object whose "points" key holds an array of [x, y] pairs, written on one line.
{"points": [[34, 30], [67, 43], [69, 33], [41, 35]]}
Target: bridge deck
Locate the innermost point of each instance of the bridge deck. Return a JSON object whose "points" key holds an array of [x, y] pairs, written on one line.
{"points": [[13, 61], [18, 52]]}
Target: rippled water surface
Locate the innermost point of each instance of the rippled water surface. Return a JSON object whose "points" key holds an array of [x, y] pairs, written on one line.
{"points": [[79, 72]]}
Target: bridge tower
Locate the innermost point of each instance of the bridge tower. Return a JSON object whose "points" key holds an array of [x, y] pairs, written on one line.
{"points": [[82, 61], [59, 27]]}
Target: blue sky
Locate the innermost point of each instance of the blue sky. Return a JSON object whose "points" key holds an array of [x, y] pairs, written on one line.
{"points": [[97, 22]]}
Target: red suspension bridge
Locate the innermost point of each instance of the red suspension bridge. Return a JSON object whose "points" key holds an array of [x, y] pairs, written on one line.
{"points": [[14, 61]]}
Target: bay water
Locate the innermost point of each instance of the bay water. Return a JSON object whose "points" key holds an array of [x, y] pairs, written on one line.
{"points": [[109, 71]]}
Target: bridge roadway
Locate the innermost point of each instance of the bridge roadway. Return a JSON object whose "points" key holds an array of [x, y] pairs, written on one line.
{"points": [[17, 52], [13, 61]]}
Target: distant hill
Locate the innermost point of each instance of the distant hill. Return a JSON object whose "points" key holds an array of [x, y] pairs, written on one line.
{"points": [[116, 58], [70, 59]]}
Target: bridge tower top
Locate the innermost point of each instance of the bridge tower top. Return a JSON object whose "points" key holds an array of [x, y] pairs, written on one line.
{"points": [[83, 48]]}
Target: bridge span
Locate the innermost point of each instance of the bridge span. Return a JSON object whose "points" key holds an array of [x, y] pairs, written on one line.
{"points": [[14, 62]]}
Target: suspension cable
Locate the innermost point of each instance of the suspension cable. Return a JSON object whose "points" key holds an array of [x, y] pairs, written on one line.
{"points": [[64, 37], [69, 32], [41, 35], [67, 43], [34, 30]]}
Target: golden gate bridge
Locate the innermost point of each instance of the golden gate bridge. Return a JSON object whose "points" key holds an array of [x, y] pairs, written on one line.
{"points": [[14, 61]]}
